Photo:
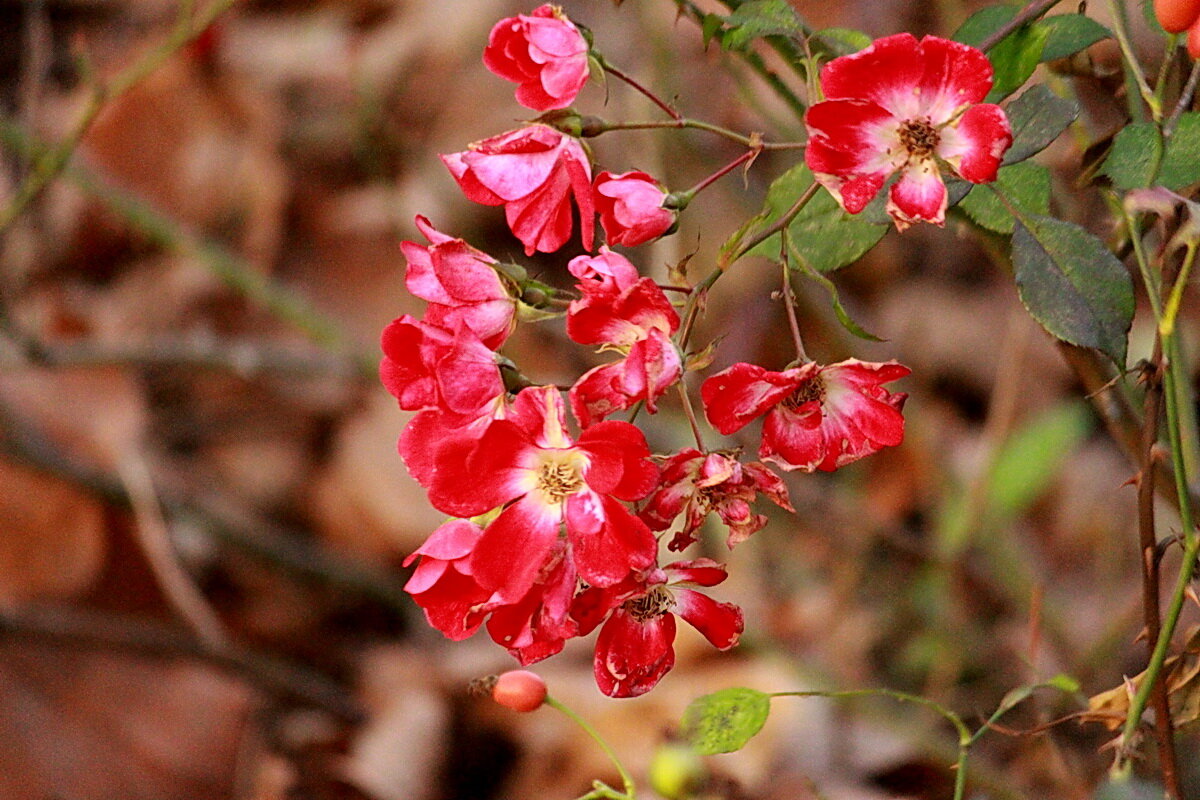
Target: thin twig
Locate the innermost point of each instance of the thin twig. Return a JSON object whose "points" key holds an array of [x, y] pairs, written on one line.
{"points": [[74, 627], [155, 539], [1185, 101], [220, 517], [246, 359], [1026, 15], [171, 235], [616, 73]]}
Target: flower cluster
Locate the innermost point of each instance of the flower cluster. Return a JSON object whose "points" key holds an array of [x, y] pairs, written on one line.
{"points": [[557, 511]]}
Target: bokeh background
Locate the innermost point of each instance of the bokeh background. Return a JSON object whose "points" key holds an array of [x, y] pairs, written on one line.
{"points": [[203, 517]]}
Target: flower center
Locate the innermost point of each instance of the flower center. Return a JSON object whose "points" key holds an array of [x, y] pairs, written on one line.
{"points": [[811, 391], [557, 480], [654, 603], [919, 137]]}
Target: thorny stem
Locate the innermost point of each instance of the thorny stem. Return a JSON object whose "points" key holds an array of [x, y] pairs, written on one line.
{"points": [[776, 227], [51, 163], [1176, 406], [789, 301], [626, 780], [748, 156], [1148, 542], [616, 73], [594, 126]]}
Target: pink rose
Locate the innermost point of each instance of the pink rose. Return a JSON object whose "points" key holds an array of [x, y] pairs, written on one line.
{"points": [[544, 53], [631, 208], [533, 172]]}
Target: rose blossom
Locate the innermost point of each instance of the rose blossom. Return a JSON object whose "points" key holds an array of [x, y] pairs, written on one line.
{"points": [[544, 53], [817, 417], [635, 648], [696, 484], [631, 208], [442, 584], [459, 283], [903, 105], [533, 172], [624, 312], [546, 481]]}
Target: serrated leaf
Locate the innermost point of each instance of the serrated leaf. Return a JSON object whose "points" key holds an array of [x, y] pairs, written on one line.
{"points": [[983, 23], [1067, 34], [1072, 285], [824, 235], [759, 18], [841, 41], [1181, 159], [1136, 153], [724, 721], [1037, 118], [1026, 185], [1014, 59]]}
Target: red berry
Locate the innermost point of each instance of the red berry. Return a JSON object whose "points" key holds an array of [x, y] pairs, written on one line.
{"points": [[520, 690], [1176, 15], [1193, 40]]}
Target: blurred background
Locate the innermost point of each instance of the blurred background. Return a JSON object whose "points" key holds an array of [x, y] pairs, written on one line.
{"points": [[203, 516]]}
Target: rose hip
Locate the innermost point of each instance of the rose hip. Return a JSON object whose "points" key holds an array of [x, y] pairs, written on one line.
{"points": [[520, 690]]}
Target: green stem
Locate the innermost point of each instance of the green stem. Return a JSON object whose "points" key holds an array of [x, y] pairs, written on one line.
{"points": [[626, 781], [51, 163], [594, 126], [1132, 67], [1178, 404]]}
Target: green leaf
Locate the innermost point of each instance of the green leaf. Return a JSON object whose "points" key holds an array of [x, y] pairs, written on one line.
{"points": [[843, 316], [1135, 156], [983, 23], [824, 235], [1014, 59], [1181, 161], [759, 18], [1067, 34], [1064, 683], [1026, 185], [1032, 456], [1037, 117], [1022, 471], [711, 28], [841, 41], [724, 721], [1072, 284]]}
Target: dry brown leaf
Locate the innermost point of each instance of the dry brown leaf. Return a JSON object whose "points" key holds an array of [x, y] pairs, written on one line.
{"points": [[52, 536], [96, 727], [1182, 675]]}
